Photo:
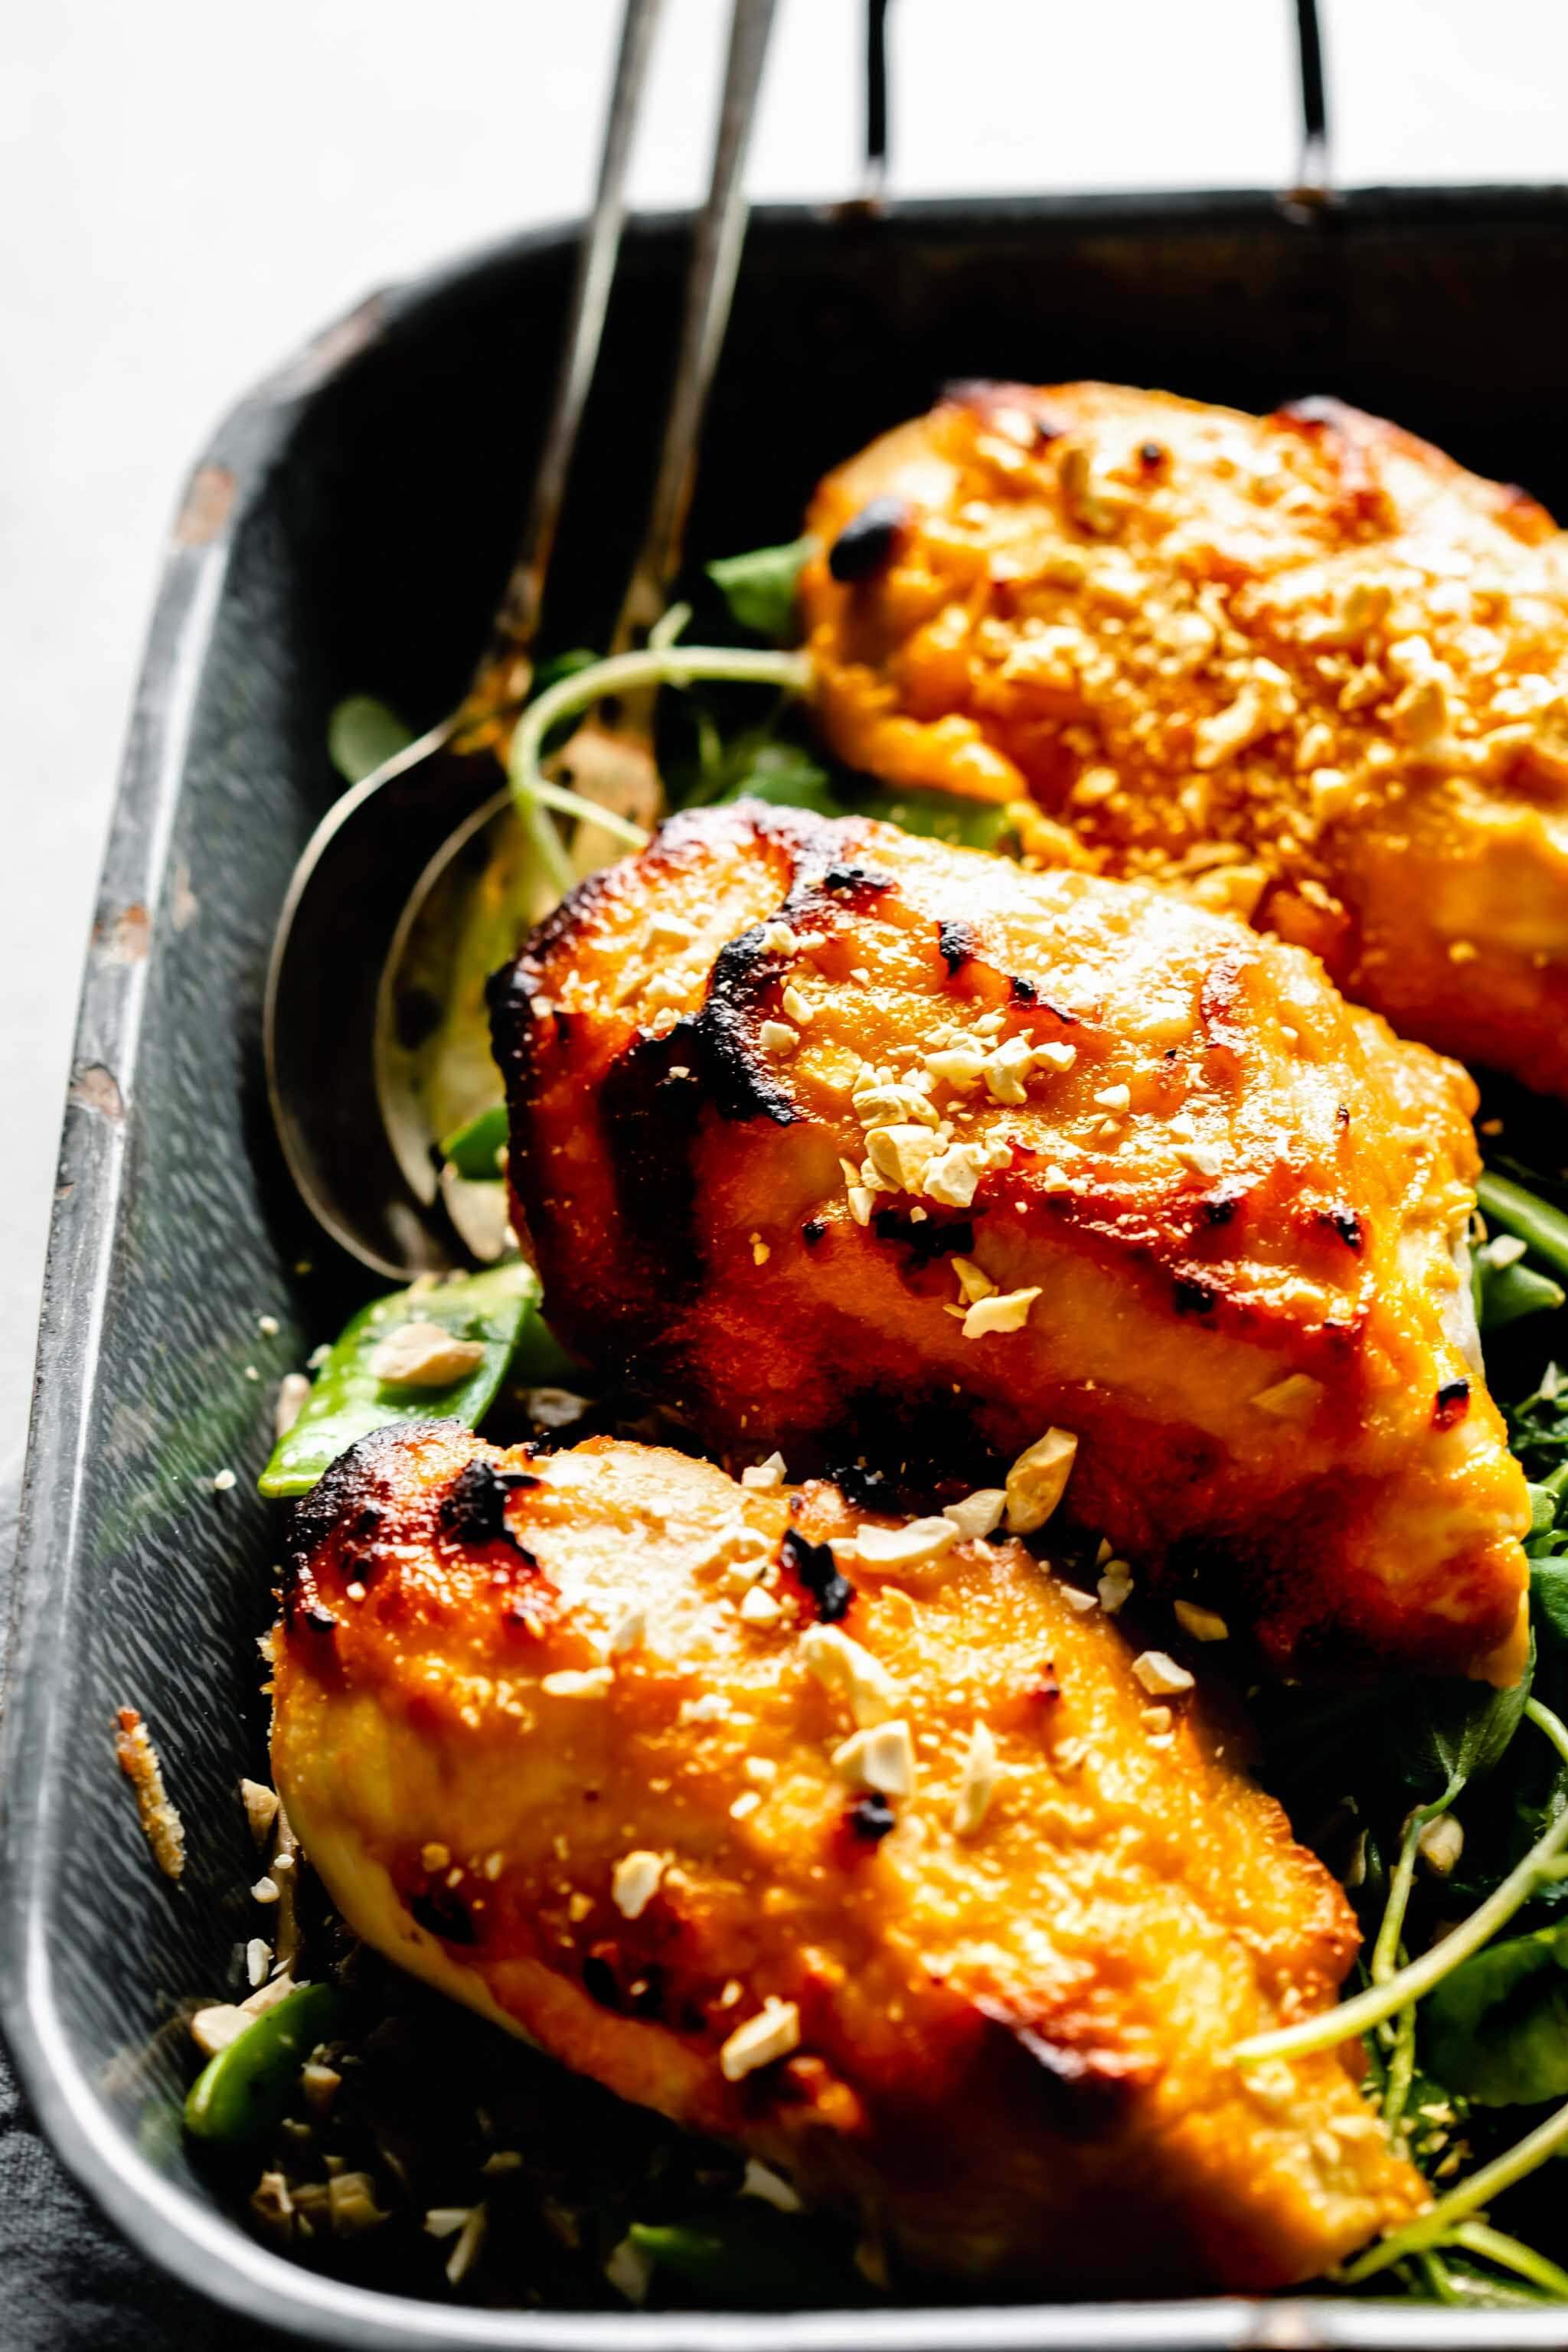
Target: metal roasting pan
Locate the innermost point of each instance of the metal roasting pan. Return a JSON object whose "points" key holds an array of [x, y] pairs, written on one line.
{"points": [[348, 529]]}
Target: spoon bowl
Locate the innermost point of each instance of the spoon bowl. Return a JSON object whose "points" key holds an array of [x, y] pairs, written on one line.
{"points": [[359, 869]]}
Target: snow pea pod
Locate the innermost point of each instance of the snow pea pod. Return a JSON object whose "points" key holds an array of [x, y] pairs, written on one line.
{"points": [[492, 1309], [245, 2089], [1537, 1223], [474, 1149], [750, 2257], [1509, 1293]]}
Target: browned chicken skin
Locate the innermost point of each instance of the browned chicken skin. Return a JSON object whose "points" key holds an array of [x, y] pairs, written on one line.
{"points": [[895, 1871], [826, 1135], [1303, 664]]}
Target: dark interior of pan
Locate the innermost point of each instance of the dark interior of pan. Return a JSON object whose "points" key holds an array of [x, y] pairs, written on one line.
{"points": [[348, 531]]}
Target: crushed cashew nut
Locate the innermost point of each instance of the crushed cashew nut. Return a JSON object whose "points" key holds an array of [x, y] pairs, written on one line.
{"points": [[882, 1759], [843, 1666], [1160, 1675], [979, 1782], [1037, 1480], [633, 1882], [979, 1513], [771, 2033], [424, 1356]]}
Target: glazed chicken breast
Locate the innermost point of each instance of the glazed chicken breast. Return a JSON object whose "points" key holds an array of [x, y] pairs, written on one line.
{"points": [[1303, 664], [837, 1141], [853, 1841]]}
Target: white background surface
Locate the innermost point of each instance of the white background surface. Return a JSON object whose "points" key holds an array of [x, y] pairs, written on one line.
{"points": [[189, 187]]}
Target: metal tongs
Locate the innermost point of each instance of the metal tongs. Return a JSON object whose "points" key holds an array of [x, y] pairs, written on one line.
{"points": [[372, 873]]}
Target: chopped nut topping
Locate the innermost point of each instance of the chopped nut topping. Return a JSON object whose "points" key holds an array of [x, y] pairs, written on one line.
{"points": [[1004, 1311], [1114, 1587], [979, 1513], [272, 2206], [764, 1476], [292, 1390], [771, 2033], [1261, 708], [978, 1784], [1203, 1624], [424, 1356], [745, 1805], [1037, 1480], [350, 2202], [665, 930], [1078, 1600], [876, 1102], [1204, 1159], [629, 1630], [845, 1666], [1092, 502], [960, 1066], [763, 2182], [759, 1767], [575, 1682], [953, 1178], [972, 1280], [890, 1549], [320, 2085], [777, 1038], [1293, 1399], [901, 1155], [260, 1805], [759, 1607], [1006, 1069], [711, 1707], [1160, 1675], [466, 2252], [446, 2220], [795, 1006], [1118, 1097], [633, 1882], [778, 939], [214, 2029], [881, 1757]]}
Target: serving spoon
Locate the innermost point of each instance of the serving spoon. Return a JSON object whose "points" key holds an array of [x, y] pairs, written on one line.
{"points": [[421, 817]]}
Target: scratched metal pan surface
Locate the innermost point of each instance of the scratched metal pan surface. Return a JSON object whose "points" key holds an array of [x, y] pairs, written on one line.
{"points": [[348, 529]]}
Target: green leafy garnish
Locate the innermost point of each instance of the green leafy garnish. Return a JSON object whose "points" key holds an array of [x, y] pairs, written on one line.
{"points": [[1497, 2029], [1452, 1733], [761, 588], [492, 1309]]}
